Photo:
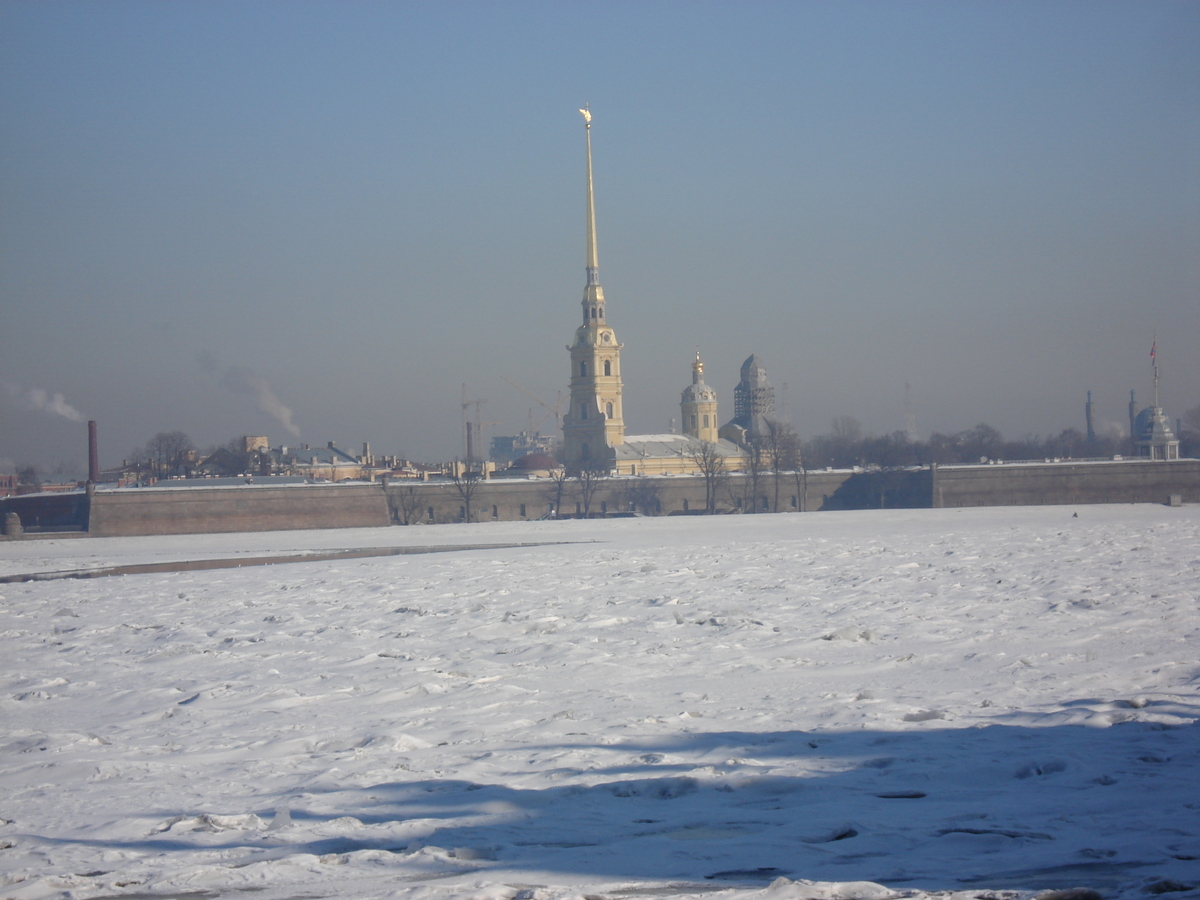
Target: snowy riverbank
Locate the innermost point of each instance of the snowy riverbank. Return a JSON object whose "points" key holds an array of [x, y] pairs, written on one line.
{"points": [[928, 700]]}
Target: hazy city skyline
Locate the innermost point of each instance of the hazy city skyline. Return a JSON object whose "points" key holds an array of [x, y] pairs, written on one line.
{"points": [[317, 221]]}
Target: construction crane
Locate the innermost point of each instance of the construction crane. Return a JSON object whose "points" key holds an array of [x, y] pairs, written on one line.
{"points": [[472, 430], [556, 409]]}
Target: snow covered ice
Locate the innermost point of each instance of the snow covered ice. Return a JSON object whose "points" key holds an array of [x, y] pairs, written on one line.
{"points": [[847, 705]]}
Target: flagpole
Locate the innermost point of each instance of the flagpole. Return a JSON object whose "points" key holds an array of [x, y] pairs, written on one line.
{"points": [[1154, 360]]}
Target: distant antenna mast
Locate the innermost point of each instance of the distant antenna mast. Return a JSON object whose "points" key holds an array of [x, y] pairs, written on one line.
{"points": [[468, 445], [1154, 363], [910, 421]]}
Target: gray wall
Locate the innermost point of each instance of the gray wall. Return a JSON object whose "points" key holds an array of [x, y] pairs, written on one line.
{"points": [[194, 510], [505, 499], [248, 508], [1128, 481]]}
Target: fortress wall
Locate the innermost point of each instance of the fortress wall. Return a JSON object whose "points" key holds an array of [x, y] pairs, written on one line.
{"points": [[196, 510], [502, 499], [1127, 481]]}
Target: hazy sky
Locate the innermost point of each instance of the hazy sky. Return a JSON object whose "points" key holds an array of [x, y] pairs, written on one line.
{"points": [[232, 218]]}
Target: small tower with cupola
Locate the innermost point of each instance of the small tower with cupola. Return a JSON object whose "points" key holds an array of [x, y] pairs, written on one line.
{"points": [[698, 406]]}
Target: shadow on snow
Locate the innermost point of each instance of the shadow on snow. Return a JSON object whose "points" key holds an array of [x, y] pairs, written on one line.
{"points": [[1002, 806]]}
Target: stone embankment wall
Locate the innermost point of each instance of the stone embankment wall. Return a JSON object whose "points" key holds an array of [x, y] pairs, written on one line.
{"points": [[194, 510], [1127, 481], [250, 508], [504, 499]]}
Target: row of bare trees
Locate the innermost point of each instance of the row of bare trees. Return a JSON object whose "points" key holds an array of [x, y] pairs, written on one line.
{"points": [[774, 459], [846, 445], [773, 476], [167, 453], [408, 503]]}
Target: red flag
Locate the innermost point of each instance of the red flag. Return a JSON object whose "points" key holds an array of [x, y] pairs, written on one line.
{"points": [[1154, 349]]}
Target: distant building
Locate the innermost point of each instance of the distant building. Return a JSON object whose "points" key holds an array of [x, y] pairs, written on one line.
{"points": [[1152, 434], [698, 406], [1153, 437], [753, 404], [594, 424], [507, 449], [251, 456]]}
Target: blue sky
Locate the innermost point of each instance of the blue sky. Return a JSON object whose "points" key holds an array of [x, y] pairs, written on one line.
{"points": [[211, 211]]}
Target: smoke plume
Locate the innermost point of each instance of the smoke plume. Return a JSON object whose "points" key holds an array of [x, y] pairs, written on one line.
{"points": [[44, 401], [241, 380]]}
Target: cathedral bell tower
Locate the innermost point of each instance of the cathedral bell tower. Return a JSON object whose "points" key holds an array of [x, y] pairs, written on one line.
{"points": [[594, 423], [698, 406]]}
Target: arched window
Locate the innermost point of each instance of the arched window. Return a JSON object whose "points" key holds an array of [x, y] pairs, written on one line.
{"points": [[692, 422], [583, 369], [608, 367], [593, 312], [608, 410], [602, 311], [584, 451], [583, 411], [706, 420]]}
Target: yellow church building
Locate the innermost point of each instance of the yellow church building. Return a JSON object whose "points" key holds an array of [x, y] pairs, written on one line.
{"points": [[594, 425]]}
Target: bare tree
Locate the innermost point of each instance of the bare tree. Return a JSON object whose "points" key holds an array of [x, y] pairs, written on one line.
{"points": [[755, 458], [706, 456], [792, 460], [781, 454], [642, 493], [167, 452], [466, 482], [405, 503], [29, 474], [587, 481], [558, 489], [773, 450]]}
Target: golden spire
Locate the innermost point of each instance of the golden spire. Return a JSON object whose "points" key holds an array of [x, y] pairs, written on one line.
{"points": [[592, 261], [593, 294]]}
